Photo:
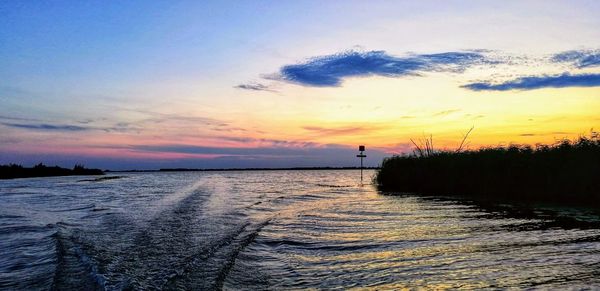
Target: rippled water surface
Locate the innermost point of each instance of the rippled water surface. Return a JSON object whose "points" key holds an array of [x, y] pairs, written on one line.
{"points": [[279, 230]]}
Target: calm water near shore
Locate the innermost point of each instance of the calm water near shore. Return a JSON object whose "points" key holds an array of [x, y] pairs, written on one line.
{"points": [[279, 230]]}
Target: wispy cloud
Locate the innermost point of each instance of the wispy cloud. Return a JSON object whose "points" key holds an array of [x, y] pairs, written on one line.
{"points": [[537, 82], [44, 126], [151, 118], [254, 87], [158, 117], [330, 70], [271, 142], [235, 151], [446, 112], [545, 133], [579, 58], [121, 127], [7, 140], [339, 130], [47, 127], [17, 118]]}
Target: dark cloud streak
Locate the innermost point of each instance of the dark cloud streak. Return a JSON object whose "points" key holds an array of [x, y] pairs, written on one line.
{"points": [[118, 127], [47, 127], [538, 82], [254, 87], [579, 58], [330, 70]]}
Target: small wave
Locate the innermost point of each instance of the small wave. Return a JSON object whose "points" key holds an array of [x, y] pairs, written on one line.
{"points": [[66, 224], [310, 197], [11, 216], [24, 228], [334, 186], [276, 243], [322, 246], [102, 179], [529, 244], [16, 186], [98, 214], [89, 206]]}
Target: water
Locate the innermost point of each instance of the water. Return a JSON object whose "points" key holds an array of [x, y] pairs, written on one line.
{"points": [[279, 230]]}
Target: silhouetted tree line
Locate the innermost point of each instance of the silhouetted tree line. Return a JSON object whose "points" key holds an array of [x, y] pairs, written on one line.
{"points": [[568, 171], [40, 170]]}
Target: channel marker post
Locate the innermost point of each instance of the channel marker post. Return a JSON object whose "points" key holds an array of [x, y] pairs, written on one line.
{"points": [[361, 155]]}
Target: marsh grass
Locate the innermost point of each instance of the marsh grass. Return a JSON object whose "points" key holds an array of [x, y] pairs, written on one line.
{"points": [[567, 171]]}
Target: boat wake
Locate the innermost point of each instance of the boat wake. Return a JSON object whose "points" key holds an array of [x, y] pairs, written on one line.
{"points": [[179, 248]]}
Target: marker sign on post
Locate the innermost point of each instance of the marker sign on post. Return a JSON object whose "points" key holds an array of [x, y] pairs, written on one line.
{"points": [[361, 155]]}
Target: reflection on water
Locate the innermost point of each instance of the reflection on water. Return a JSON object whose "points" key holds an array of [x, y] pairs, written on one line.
{"points": [[279, 230]]}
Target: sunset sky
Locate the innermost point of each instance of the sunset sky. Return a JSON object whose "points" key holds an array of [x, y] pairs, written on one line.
{"points": [[155, 84]]}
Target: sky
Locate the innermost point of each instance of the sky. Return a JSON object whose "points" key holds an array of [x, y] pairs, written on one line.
{"points": [[221, 84]]}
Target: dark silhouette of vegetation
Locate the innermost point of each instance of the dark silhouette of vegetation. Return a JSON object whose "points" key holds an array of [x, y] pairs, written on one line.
{"points": [[12, 171], [568, 171]]}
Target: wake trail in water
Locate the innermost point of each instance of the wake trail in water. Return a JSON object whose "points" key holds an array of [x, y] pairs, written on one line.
{"points": [[74, 268], [209, 269], [119, 255], [243, 242], [181, 247]]}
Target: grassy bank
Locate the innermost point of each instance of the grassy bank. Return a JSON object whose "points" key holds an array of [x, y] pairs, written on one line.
{"points": [[17, 171], [568, 171]]}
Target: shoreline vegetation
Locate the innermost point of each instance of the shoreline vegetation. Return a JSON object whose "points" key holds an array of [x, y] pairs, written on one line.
{"points": [[566, 172], [13, 171]]}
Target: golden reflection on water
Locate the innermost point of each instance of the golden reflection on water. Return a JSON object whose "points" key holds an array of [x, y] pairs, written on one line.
{"points": [[353, 233]]}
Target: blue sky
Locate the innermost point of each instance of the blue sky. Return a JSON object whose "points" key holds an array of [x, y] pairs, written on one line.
{"points": [[140, 83]]}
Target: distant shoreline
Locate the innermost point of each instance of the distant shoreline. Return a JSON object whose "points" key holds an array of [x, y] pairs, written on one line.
{"points": [[241, 169], [14, 171]]}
